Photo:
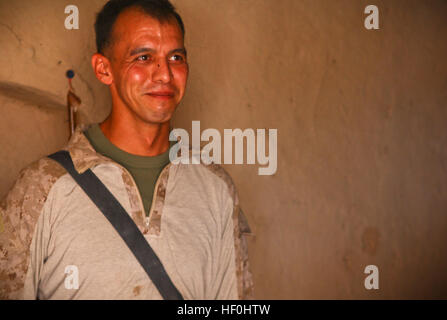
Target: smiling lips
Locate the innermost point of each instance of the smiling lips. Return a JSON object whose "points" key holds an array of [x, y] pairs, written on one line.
{"points": [[164, 95]]}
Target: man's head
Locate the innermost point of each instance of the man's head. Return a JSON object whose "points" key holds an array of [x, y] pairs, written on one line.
{"points": [[161, 10], [141, 56]]}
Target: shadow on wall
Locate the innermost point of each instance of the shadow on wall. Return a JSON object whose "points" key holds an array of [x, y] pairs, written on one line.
{"points": [[31, 96], [34, 123]]}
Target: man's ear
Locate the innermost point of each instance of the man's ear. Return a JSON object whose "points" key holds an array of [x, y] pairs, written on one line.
{"points": [[102, 69]]}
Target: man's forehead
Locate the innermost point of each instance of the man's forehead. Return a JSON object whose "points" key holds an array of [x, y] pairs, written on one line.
{"points": [[134, 23]]}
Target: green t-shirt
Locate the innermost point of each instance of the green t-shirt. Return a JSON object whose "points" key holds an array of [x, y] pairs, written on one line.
{"points": [[144, 170]]}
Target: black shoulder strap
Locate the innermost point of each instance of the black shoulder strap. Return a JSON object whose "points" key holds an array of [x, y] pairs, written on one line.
{"points": [[123, 224]]}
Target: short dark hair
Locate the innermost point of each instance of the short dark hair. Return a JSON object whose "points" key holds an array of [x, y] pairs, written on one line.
{"points": [[161, 10]]}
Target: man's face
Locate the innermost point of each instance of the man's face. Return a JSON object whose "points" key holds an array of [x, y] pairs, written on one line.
{"points": [[148, 64]]}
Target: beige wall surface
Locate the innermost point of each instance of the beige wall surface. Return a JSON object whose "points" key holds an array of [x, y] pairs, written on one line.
{"points": [[361, 118]]}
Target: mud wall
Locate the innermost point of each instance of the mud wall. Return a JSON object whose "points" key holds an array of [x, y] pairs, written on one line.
{"points": [[361, 119]]}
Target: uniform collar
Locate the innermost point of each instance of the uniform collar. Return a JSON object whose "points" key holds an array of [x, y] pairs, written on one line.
{"points": [[85, 157], [82, 153]]}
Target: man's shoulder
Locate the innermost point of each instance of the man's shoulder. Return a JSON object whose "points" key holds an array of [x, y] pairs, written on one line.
{"points": [[222, 174], [44, 171], [35, 181], [211, 174]]}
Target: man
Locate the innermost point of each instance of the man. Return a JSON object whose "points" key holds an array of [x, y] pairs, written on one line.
{"points": [[56, 244]]}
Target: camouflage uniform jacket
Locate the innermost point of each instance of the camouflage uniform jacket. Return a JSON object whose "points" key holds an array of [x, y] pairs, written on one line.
{"points": [[56, 244]]}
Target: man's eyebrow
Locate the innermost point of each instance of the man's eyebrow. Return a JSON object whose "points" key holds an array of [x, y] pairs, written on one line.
{"points": [[179, 50], [141, 50], [146, 49]]}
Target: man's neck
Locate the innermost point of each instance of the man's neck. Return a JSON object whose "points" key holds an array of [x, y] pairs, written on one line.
{"points": [[136, 137]]}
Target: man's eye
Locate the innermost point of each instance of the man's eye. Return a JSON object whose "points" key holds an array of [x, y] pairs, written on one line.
{"points": [[177, 57], [143, 58]]}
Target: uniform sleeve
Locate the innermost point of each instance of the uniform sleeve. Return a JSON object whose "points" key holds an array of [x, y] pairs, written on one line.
{"points": [[243, 272], [19, 212], [236, 231], [232, 277]]}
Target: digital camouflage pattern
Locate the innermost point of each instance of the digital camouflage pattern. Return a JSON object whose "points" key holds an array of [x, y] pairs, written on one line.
{"points": [[19, 212], [241, 230]]}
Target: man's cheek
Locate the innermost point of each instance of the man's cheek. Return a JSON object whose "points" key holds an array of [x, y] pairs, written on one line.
{"points": [[137, 75], [181, 77], [181, 71]]}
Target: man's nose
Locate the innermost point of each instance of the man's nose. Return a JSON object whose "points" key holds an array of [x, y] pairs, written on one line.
{"points": [[162, 71]]}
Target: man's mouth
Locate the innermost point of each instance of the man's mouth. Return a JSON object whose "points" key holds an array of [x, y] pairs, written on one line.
{"points": [[161, 94]]}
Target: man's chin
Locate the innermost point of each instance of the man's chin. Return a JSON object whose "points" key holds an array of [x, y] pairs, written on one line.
{"points": [[157, 114], [159, 118]]}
